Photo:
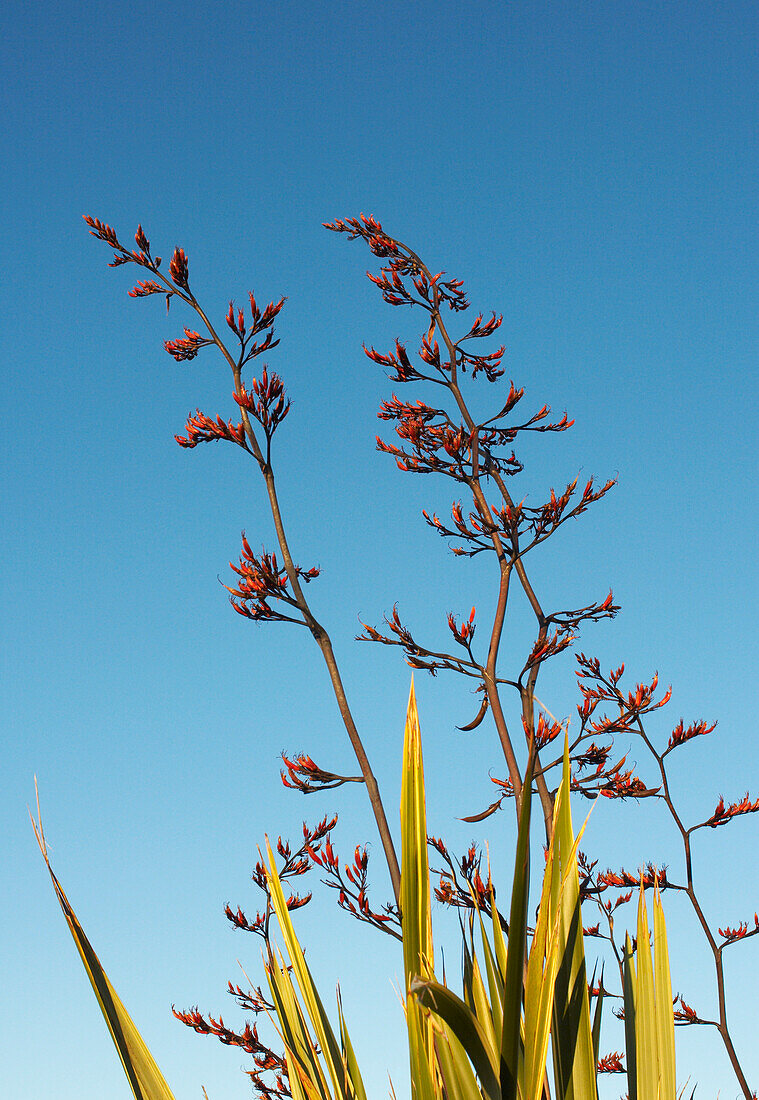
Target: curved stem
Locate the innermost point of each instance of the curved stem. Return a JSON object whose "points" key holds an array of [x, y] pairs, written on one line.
{"points": [[320, 635], [722, 1026], [505, 562], [322, 639]]}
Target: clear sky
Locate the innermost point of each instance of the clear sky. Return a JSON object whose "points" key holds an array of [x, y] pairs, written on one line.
{"points": [[590, 170]]}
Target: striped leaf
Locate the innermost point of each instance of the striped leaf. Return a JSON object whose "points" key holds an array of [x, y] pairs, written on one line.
{"points": [[646, 1033], [665, 1020], [416, 914]]}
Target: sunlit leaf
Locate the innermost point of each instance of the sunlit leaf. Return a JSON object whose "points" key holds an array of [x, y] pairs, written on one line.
{"points": [[144, 1076]]}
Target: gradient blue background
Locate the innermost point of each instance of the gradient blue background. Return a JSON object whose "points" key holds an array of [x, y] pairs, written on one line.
{"points": [[590, 169]]}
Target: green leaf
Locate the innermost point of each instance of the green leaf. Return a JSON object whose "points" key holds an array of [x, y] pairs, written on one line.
{"points": [[467, 1029], [498, 940], [415, 871], [482, 1006], [629, 988], [456, 1071], [495, 982], [548, 950], [512, 995], [349, 1056], [539, 986], [301, 1052], [597, 1014]]}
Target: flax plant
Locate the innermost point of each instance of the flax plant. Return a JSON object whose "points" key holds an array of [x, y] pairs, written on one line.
{"points": [[493, 1043], [478, 454]]}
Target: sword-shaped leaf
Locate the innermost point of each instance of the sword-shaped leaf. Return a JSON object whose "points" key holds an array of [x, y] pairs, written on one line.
{"points": [[574, 1064], [597, 1014], [456, 1071], [467, 1029], [646, 1036], [513, 983], [549, 951], [629, 990], [416, 915], [144, 1076], [342, 1083], [665, 1020]]}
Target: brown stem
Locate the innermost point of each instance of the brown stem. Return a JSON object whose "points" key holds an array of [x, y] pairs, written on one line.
{"points": [[505, 564], [317, 630], [722, 1026], [325, 645]]}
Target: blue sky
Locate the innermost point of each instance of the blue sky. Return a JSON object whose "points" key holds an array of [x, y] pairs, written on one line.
{"points": [[590, 171]]}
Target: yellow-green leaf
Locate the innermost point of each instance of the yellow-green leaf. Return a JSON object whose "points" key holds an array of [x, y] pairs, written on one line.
{"points": [[665, 1020], [646, 1037], [416, 913], [574, 1064], [629, 988], [144, 1076], [467, 1029], [512, 994], [415, 872], [327, 1042]]}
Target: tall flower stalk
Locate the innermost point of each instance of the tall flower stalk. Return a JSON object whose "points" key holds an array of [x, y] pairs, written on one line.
{"points": [[478, 455]]}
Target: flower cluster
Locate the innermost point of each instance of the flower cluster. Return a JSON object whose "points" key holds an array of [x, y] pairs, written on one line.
{"points": [[630, 708], [463, 634], [187, 347], [471, 451], [405, 270], [730, 935], [648, 877], [512, 521], [544, 733], [722, 814], [265, 401], [264, 1058], [303, 775], [261, 321], [262, 580], [611, 1063], [351, 881], [178, 267], [418, 656], [685, 1014], [680, 734], [294, 864], [202, 429], [461, 885]]}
